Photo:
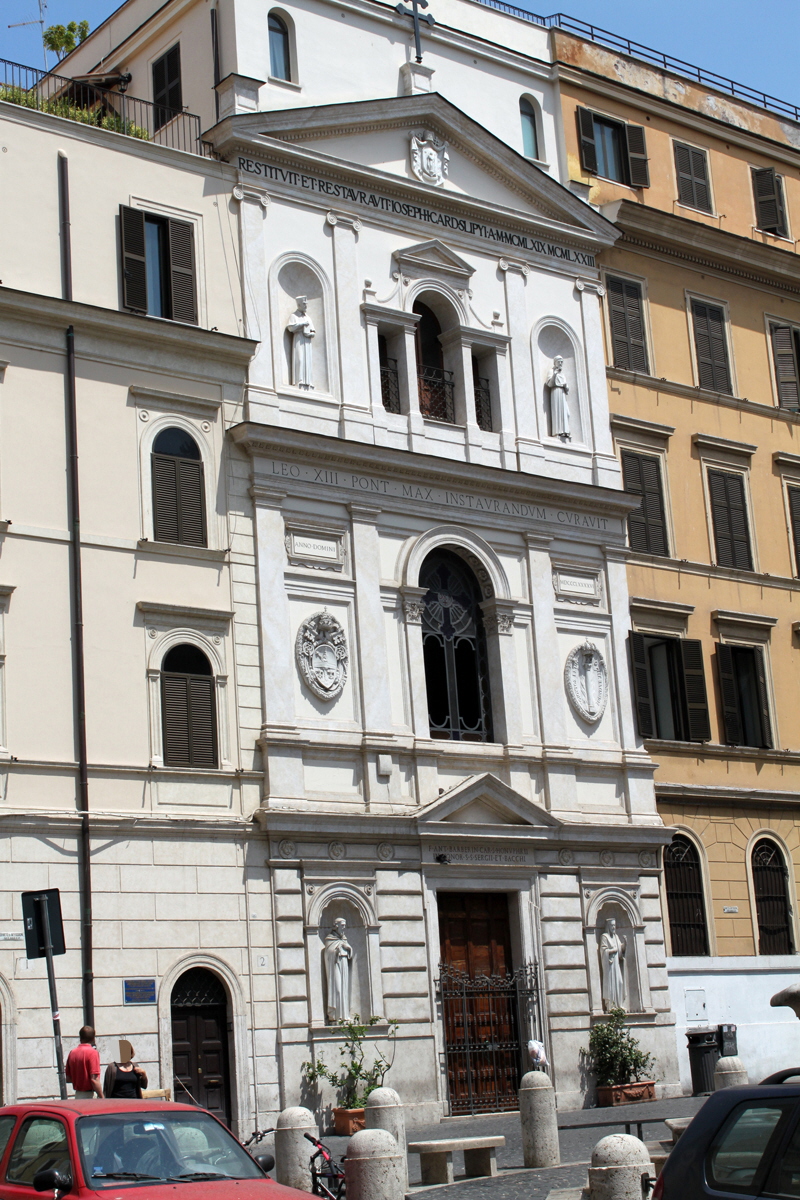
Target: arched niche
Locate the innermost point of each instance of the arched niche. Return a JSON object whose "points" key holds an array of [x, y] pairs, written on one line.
{"points": [[623, 907], [363, 934], [295, 275], [553, 339]]}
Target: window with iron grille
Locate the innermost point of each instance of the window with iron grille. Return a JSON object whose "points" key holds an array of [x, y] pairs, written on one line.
{"points": [[454, 648], [179, 507], [770, 884], [435, 384], [188, 709], [483, 398], [390, 381], [683, 879]]}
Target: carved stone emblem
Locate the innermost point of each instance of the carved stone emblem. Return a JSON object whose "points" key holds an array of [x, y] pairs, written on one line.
{"points": [[586, 681], [430, 161], [322, 656]]}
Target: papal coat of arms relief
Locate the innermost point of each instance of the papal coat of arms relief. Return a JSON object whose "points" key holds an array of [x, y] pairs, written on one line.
{"points": [[586, 681], [322, 655], [429, 158]]}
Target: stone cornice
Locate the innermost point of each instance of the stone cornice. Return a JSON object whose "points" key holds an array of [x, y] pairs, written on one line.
{"points": [[758, 579], [654, 384], [155, 611]]}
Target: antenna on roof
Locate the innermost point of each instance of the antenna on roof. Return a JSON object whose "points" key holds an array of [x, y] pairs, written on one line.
{"points": [[40, 22]]}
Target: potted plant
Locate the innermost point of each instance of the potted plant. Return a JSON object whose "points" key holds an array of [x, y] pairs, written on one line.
{"points": [[353, 1081], [620, 1068]]}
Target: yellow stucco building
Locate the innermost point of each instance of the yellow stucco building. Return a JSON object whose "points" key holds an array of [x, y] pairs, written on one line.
{"points": [[702, 324]]}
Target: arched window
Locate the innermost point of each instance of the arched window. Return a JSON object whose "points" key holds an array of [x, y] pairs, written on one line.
{"points": [[436, 388], [179, 509], [188, 708], [279, 59], [530, 136], [770, 880], [684, 883], [454, 647]]}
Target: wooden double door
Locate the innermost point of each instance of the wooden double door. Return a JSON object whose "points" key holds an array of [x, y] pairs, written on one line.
{"points": [[200, 1057]]}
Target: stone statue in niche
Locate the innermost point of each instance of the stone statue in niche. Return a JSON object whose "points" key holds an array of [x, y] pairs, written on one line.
{"points": [[586, 681], [612, 959], [338, 957], [559, 404], [302, 330]]}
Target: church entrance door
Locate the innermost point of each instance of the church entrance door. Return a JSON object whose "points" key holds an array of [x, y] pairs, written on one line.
{"points": [[489, 1010], [200, 1059]]}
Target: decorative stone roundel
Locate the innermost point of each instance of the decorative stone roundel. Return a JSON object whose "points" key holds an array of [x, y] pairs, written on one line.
{"points": [[566, 857], [322, 655], [287, 848], [586, 681], [385, 851], [645, 858], [607, 858], [336, 850]]}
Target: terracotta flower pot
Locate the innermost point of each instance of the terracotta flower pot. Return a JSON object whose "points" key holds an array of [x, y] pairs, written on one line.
{"points": [[626, 1093], [347, 1121]]}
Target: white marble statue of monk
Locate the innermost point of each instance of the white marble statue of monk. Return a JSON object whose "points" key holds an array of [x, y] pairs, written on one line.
{"points": [[612, 957], [302, 330], [559, 403], [338, 958]]}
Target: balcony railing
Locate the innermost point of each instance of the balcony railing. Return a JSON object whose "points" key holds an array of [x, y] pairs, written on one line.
{"points": [[89, 104], [483, 404], [436, 390], [390, 386]]}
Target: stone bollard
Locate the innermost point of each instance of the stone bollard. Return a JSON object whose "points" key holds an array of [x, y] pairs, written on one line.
{"points": [[620, 1169], [537, 1114], [384, 1110], [730, 1071], [292, 1151], [374, 1166]]}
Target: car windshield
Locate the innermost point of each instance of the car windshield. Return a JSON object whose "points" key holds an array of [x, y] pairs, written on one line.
{"points": [[138, 1148]]}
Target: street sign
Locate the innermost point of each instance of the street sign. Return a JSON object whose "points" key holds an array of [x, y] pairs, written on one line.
{"points": [[33, 923]]}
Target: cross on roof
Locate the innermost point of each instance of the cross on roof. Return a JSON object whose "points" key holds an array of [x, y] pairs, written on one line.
{"points": [[416, 16]]}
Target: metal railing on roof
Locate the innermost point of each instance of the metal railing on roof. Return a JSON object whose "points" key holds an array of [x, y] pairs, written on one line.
{"points": [[89, 104]]}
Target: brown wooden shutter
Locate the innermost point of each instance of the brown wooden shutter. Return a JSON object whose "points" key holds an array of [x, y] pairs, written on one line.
{"points": [[691, 166], [191, 503], [182, 272], [638, 170], [175, 719], [134, 266], [711, 347], [729, 518], [645, 716], [647, 525], [586, 140], [787, 376], [768, 196], [202, 721], [763, 701], [729, 695], [166, 506], [794, 517], [626, 318], [694, 691]]}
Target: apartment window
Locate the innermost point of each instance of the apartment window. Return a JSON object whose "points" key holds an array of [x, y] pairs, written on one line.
{"points": [[669, 688], [683, 880], [613, 149], [786, 356], [743, 690], [188, 709], [626, 318], [691, 166], [793, 495], [158, 265], [167, 96], [711, 347], [530, 137], [179, 510], [769, 202], [279, 59], [729, 519], [770, 884], [647, 525]]}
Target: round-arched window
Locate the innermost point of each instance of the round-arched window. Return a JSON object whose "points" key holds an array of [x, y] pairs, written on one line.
{"points": [[279, 60], [436, 387], [530, 135], [683, 879], [179, 505], [770, 884], [188, 708]]}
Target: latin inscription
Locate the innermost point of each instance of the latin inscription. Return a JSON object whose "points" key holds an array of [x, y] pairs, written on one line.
{"points": [[579, 585], [315, 547], [457, 854]]}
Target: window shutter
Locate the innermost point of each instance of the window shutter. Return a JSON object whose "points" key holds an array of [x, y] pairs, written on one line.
{"points": [[202, 722], [175, 718], [794, 516], [729, 518], [181, 272], [166, 526], [626, 318], [784, 350], [711, 347], [691, 166], [134, 267], [694, 690], [645, 718], [638, 170], [191, 503], [647, 526], [763, 702], [768, 196], [731, 717], [586, 139]]}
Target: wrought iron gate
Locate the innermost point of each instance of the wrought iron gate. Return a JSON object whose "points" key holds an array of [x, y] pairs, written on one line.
{"points": [[488, 1021]]}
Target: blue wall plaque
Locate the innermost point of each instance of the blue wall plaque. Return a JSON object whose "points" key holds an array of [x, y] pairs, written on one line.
{"points": [[138, 991]]}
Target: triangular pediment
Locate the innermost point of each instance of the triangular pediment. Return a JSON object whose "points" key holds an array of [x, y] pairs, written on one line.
{"points": [[486, 800], [432, 256]]}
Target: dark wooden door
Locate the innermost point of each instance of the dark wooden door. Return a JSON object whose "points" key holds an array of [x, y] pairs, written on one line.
{"points": [[480, 1002], [200, 1058]]}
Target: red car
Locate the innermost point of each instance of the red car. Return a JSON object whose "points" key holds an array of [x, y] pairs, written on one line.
{"points": [[150, 1151]]}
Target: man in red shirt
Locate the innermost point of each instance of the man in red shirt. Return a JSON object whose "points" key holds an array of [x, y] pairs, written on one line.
{"points": [[83, 1067]]}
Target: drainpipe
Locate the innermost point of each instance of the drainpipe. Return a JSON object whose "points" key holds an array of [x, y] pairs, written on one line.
{"points": [[215, 51], [76, 587]]}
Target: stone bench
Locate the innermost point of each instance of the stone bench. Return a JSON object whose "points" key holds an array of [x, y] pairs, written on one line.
{"points": [[436, 1158]]}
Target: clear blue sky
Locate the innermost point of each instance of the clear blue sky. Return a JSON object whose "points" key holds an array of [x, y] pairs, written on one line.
{"points": [[751, 41]]}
